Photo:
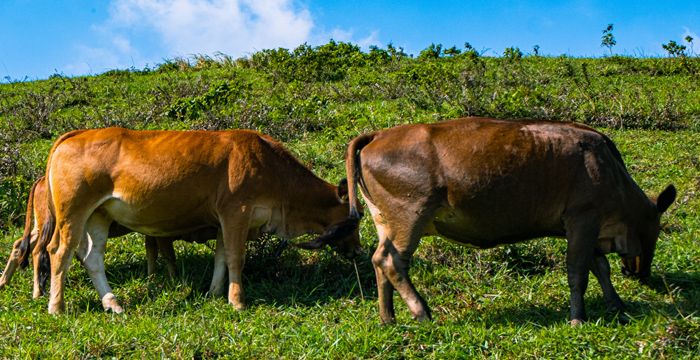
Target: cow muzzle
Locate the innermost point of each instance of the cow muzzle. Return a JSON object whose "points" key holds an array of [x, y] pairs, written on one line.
{"points": [[353, 253]]}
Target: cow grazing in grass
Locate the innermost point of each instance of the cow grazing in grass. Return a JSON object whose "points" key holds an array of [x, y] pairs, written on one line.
{"points": [[35, 218], [486, 182], [169, 183]]}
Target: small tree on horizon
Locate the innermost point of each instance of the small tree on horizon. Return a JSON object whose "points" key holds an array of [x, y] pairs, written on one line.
{"points": [[689, 40], [608, 39], [674, 49]]}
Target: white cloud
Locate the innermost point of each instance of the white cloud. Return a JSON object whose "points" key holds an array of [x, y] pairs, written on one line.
{"points": [[145, 32], [233, 27], [371, 39]]}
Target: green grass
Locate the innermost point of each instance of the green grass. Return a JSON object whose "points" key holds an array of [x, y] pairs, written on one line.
{"points": [[505, 302]]}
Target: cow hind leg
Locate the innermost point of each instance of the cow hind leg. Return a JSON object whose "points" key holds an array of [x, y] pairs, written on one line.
{"points": [[385, 290], [61, 248], [95, 239], [391, 261]]}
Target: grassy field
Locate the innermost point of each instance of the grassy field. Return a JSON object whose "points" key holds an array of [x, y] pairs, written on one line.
{"points": [[502, 303], [505, 302]]}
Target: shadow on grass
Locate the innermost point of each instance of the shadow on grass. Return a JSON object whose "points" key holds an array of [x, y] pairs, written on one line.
{"points": [[546, 316], [683, 286], [296, 277]]}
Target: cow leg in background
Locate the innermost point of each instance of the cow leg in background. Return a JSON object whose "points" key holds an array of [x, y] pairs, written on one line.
{"points": [[96, 238], [164, 246], [151, 255], [12, 263], [600, 267], [167, 251], [217, 286], [36, 263], [13, 260], [581, 234]]}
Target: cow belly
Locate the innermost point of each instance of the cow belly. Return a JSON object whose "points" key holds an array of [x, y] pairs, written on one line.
{"points": [[154, 220], [486, 231]]}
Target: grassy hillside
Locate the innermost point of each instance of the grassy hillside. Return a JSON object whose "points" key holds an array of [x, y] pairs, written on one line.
{"points": [[504, 302]]}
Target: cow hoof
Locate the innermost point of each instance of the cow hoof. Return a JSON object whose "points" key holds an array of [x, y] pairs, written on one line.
{"points": [[238, 306], [388, 322], [115, 309], [422, 317], [110, 304], [623, 319], [56, 309], [216, 291], [576, 322]]}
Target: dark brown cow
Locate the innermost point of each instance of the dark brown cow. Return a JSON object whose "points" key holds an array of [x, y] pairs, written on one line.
{"points": [[37, 212], [169, 183], [485, 182]]}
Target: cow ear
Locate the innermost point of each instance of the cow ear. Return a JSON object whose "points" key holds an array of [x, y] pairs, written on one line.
{"points": [[666, 198], [342, 191]]}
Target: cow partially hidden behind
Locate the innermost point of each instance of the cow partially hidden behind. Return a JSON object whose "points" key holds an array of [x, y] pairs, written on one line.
{"points": [[169, 183], [35, 219], [485, 182]]}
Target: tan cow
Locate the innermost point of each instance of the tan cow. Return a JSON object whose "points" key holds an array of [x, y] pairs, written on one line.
{"points": [[35, 218], [485, 182], [168, 183]]}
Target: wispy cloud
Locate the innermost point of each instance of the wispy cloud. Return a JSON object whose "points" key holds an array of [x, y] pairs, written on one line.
{"points": [[687, 32]]}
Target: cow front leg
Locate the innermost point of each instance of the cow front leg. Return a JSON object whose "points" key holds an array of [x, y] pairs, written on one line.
{"points": [[234, 248], [581, 238], [93, 260], [600, 267]]}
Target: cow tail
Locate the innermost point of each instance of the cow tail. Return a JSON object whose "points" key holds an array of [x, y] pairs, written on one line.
{"points": [[353, 169], [50, 225], [44, 239], [27, 235]]}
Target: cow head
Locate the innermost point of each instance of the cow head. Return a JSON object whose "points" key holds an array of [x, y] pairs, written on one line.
{"points": [[646, 233], [342, 235]]}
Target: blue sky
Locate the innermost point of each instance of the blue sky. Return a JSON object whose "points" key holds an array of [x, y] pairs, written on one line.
{"points": [[78, 37]]}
